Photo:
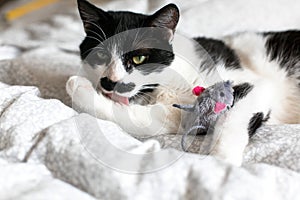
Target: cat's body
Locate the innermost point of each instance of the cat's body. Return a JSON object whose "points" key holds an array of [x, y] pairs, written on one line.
{"points": [[265, 69]]}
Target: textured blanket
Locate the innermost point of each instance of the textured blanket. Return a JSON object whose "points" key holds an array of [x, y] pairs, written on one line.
{"points": [[46, 146]]}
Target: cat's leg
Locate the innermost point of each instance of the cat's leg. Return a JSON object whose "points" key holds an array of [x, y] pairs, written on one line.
{"points": [[231, 132], [135, 119]]}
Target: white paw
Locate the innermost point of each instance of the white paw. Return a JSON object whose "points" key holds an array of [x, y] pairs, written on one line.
{"points": [[81, 91], [85, 98], [76, 82]]}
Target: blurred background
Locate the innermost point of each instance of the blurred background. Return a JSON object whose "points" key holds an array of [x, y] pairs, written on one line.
{"points": [[233, 15]]}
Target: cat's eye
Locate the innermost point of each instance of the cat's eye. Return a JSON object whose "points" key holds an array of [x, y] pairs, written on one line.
{"points": [[139, 59], [102, 56]]}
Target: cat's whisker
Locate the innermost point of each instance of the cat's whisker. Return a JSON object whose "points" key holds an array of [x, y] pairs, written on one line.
{"points": [[139, 43], [91, 49], [145, 94], [142, 95], [94, 38], [97, 26], [143, 98], [139, 36], [136, 36], [100, 37], [119, 26]]}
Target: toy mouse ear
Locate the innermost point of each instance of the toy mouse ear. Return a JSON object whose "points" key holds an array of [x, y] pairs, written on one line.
{"points": [[219, 107], [198, 90]]}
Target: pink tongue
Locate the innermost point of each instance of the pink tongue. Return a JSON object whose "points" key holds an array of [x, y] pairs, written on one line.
{"points": [[119, 99]]}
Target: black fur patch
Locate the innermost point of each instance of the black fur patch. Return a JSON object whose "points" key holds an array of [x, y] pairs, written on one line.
{"points": [[157, 60], [144, 94], [218, 51], [123, 88], [257, 121], [120, 87], [241, 90], [284, 47]]}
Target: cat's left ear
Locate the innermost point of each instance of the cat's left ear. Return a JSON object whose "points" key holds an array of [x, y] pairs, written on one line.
{"points": [[166, 17], [92, 15]]}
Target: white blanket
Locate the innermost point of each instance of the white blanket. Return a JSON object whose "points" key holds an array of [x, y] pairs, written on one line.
{"points": [[97, 157]]}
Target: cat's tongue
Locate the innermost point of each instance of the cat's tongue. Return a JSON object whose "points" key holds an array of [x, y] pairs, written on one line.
{"points": [[119, 99]]}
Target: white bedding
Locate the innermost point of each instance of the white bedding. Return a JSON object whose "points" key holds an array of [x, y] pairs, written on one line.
{"points": [[62, 147]]}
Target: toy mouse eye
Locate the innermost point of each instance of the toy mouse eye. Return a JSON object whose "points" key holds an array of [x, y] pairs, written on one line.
{"points": [[222, 94]]}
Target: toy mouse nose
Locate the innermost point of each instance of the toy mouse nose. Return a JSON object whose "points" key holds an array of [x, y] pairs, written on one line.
{"points": [[198, 90], [107, 84]]}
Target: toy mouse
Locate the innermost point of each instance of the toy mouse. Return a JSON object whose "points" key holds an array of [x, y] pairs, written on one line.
{"points": [[210, 104]]}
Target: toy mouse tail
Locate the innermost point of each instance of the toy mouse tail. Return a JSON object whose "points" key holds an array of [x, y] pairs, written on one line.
{"points": [[188, 108], [187, 133]]}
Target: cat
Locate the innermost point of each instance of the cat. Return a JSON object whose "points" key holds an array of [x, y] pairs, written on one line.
{"points": [[134, 75]]}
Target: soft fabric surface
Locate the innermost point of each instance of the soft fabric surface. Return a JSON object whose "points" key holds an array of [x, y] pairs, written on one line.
{"points": [[45, 145]]}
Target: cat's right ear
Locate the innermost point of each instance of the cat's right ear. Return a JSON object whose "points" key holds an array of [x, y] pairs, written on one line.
{"points": [[166, 17], [90, 14]]}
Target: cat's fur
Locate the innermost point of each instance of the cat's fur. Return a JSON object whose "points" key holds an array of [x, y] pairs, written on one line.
{"points": [[265, 69]]}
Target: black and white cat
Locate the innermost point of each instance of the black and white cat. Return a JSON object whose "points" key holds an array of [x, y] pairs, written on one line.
{"points": [[138, 75]]}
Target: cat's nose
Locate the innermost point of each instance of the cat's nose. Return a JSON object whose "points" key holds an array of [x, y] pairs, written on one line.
{"points": [[107, 84]]}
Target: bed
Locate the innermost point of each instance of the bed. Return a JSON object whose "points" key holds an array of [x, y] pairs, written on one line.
{"points": [[50, 151]]}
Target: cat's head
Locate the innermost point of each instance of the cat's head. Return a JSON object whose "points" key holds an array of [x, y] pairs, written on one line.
{"points": [[127, 50]]}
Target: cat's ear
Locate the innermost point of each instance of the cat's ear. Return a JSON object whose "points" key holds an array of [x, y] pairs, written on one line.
{"points": [[91, 14], [166, 17]]}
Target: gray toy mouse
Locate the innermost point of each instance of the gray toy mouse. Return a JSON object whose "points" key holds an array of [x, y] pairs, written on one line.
{"points": [[210, 104]]}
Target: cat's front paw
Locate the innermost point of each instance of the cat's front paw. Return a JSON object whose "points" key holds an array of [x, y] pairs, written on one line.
{"points": [[76, 82], [82, 93], [86, 99]]}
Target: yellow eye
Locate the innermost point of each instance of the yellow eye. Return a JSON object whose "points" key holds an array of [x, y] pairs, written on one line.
{"points": [[139, 59]]}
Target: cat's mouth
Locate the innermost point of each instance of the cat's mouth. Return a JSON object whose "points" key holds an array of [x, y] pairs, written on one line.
{"points": [[142, 95], [117, 98]]}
